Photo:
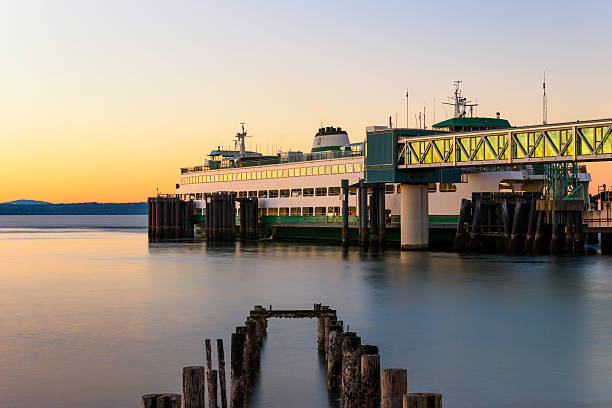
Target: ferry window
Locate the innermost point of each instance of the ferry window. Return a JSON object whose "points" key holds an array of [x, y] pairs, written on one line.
{"points": [[308, 192], [290, 172], [448, 187], [353, 211], [333, 210], [296, 192], [432, 187], [268, 174], [261, 175], [390, 188], [357, 167], [307, 211], [242, 194], [320, 210], [309, 171], [302, 171], [334, 169], [296, 210], [352, 190], [216, 177], [207, 179], [334, 191], [273, 193], [263, 194], [274, 174], [234, 176], [263, 212], [252, 193], [321, 170], [285, 173], [284, 193], [315, 171], [283, 211], [297, 172], [198, 196], [349, 168], [341, 168], [273, 212], [321, 191], [398, 188], [328, 169], [225, 177]]}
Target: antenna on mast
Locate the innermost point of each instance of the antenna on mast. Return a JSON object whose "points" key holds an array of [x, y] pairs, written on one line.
{"points": [[407, 125], [544, 101]]}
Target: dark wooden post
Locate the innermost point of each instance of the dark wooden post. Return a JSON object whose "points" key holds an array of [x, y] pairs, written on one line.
{"points": [[329, 320], [158, 215], [149, 400], [208, 355], [351, 389], [382, 214], [394, 386], [507, 224], [363, 215], [193, 387], [475, 233], [334, 358], [321, 333], [579, 233], [370, 381], [422, 400], [169, 401], [531, 226], [459, 243], [515, 238], [211, 377], [221, 357], [237, 381], [374, 217], [538, 239], [345, 211], [569, 236]]}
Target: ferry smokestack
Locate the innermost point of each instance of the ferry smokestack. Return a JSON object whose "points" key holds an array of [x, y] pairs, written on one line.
{"points": [[498, 115]]}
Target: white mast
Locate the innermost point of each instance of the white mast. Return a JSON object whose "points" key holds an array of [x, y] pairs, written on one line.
{"points": [[544, 102]]}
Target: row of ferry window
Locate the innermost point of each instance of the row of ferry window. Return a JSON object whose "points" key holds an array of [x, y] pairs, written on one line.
{"points": [[272, 174], [322, 191]]}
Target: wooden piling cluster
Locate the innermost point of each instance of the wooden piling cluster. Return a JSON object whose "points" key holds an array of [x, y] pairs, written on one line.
{"points": [[353, 368], [221, 217], [169, 217], [249, 218], [372, 214], [518, 223]]}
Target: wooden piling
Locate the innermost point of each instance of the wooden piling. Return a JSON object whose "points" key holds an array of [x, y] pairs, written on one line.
{"points": [[556, 242], [345, 211], [374, 218], [222, 384], [321, 334], [334, 358], [169, 401], [459, 243], [382, 215], [237, 381], [193, 387], [422, 400], [515, 244], [243, 218], [393, 386], [351, 375], [569, 232], [539, 244], [370, 381], [150, 400], [578, 233], [328, 321], [531, 225], [363, 215], [475, 232], [211, 377], [208, 354]]}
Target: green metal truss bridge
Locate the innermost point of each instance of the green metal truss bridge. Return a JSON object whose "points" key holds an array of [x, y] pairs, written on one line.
{"points": [[557, 143]]}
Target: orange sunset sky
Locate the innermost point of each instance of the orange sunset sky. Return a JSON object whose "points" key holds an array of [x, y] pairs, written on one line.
{"points": [[105, 101]]}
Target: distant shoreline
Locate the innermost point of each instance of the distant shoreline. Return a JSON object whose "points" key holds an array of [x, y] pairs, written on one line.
{"points": [[75, 209]]}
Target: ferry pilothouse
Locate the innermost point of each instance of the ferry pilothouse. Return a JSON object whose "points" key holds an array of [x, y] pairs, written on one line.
{"points": [[302, 187]]}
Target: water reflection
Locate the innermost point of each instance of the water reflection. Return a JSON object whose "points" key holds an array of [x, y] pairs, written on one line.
{"points": [[119, 316]]}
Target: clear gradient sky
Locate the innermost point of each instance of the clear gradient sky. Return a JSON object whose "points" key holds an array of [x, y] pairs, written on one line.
{"points": [[106, 100]]}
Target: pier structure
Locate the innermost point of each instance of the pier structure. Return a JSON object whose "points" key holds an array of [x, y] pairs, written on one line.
{"points": [[353, 369], [169, 217], [416, 157]]}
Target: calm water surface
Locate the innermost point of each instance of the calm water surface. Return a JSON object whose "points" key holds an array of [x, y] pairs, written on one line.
{"points": [[97, 316]]}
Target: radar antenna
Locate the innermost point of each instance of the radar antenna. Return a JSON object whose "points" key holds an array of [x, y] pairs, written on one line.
{"points": [[460, 102], [239, 142]]}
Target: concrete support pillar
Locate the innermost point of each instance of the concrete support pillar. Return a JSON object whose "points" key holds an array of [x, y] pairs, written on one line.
{"points": [[414, 217]]}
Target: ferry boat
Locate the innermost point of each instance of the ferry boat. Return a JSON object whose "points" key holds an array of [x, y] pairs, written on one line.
{"points": [[297, 189]]}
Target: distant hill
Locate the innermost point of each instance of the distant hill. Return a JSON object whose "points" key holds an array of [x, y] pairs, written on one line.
{"points": [[26, 202], [42, 208]]}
